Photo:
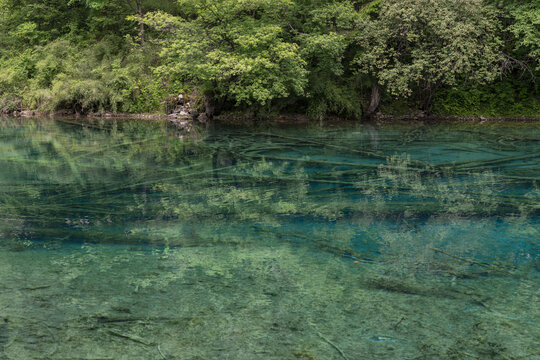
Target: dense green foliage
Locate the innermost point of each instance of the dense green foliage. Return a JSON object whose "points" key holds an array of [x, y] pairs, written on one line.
{"points": [[323, 58], [417, 46]]}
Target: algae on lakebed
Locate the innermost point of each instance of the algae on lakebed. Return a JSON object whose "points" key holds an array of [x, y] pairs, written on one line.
{"points": [[347, 242], [239, 302]]}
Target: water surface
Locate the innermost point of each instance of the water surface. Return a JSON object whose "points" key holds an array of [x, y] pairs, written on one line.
{"points": [[128, 240]]}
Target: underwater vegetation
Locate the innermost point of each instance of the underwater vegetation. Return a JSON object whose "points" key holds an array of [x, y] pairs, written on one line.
{"points": [[118, 239]]}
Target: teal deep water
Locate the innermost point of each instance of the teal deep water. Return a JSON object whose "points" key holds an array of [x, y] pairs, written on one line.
{"points": [[125, 239]]}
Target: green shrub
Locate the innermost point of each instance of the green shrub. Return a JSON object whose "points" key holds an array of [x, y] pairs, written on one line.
{"points": [[503, 98], [100, 77]]}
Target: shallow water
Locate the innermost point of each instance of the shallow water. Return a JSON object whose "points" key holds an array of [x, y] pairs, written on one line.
{"points": [[126, 240]]}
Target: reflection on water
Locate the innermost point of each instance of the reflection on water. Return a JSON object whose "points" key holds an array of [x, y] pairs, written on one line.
{"points": [[119, 240]]}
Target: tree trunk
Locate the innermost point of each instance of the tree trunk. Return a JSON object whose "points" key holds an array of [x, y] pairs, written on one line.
{"points": [[375, 100], [429, 91], [141, 21], [209, 106]]}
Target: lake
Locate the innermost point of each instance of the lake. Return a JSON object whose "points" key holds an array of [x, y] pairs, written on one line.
{"points": [[130, 240]]}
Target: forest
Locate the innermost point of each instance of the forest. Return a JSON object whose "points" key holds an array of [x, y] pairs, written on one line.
{"points": [[260, 58]]}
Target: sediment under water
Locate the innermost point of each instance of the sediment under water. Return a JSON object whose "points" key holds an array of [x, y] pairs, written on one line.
{"points": [[124, 240]]}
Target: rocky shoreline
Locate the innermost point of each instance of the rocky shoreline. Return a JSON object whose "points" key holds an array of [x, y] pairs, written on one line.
{"points": [[185, 117]]}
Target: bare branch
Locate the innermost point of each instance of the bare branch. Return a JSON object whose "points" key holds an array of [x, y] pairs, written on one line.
{"points": [[509, 64]]}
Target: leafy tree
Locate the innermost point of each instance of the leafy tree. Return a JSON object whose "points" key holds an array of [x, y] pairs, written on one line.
{"points": [[527, 28], [326, 38], [26, 23], [261, 56], [236, 51], [135, 9], [417, 46], [521, 23]]}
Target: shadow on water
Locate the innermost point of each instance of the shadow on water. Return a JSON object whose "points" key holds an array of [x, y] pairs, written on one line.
{"points": [[124, 238]]}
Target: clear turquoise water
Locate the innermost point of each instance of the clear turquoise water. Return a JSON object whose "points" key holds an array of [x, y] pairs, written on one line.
{"points": [[127, 240]]}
